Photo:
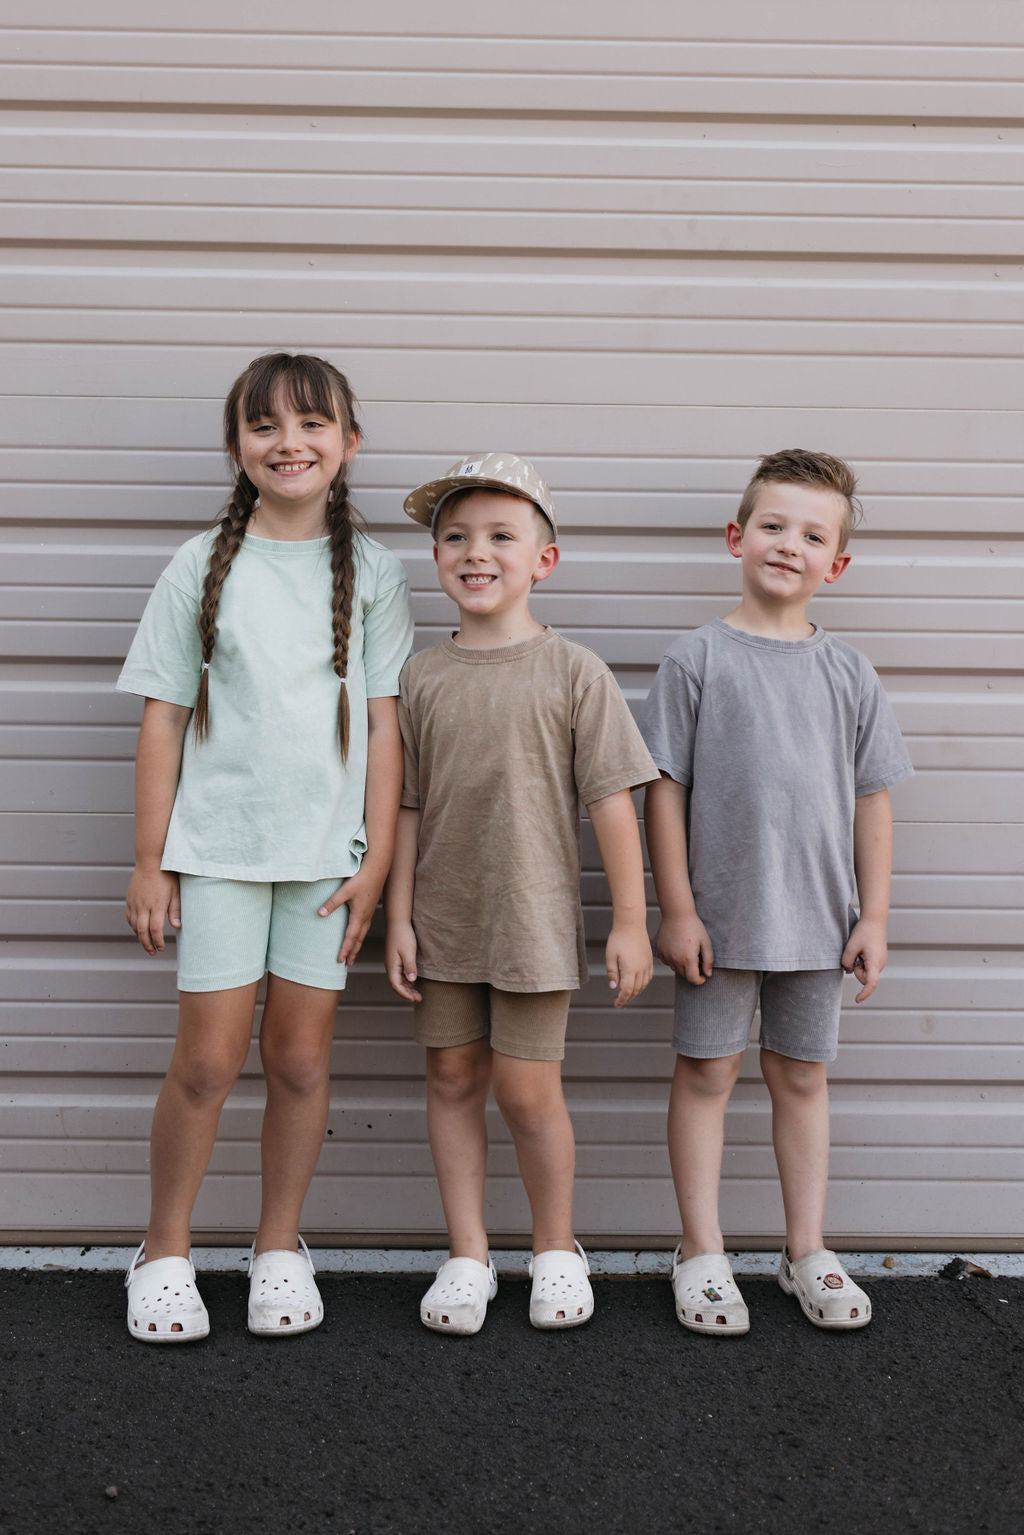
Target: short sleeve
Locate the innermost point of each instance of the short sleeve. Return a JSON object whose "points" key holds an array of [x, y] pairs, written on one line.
{"points": [[166, 659], [669, 720], [410, 752], [608, 749], [387, 639], [880, 756]]}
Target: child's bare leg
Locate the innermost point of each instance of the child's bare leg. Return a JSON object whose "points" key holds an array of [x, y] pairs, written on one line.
{"points": [[214, 1029], [458, 1081], [800, 1134], [532, 1103], [696, 1135], [295, 1048]]}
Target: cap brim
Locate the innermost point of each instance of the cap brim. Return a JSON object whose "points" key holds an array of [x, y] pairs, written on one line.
{"points": [[421, 504]]}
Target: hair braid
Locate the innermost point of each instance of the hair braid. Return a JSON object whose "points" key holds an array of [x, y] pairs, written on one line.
{"points": [[226, 545], [339, 520]]}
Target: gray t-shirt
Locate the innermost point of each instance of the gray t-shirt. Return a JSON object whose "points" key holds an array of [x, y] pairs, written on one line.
{"points": [[775, 740], [266, 796]]}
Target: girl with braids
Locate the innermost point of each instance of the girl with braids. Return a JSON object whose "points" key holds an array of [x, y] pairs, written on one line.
{"points": [[268, 775]]}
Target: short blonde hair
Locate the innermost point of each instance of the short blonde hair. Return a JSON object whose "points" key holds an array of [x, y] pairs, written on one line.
{"points": [[799, 466]]}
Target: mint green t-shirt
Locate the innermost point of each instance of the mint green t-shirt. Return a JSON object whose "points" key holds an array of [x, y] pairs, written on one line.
{"points": [[266, 795]]}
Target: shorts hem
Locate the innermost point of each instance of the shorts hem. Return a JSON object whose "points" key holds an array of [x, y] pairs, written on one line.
{"points": [[447, 1044], [791, 1055], [313, 978], [226, 982], [709, 1053], [521, 1055]]}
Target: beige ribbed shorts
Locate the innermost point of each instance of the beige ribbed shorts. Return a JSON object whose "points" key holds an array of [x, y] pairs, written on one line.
{"points": [[529, 1025]]}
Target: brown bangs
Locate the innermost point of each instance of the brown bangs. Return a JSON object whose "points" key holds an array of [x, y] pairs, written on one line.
{"points": [[306, 384]]}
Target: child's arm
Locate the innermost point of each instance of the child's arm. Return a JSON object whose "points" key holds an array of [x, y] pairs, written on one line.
{"points": [[628, 958], [866, 952], [682, 941], [383, 791], [152, 895], [400, 944]]}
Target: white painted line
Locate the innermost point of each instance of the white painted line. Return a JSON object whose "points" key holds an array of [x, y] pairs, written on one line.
{"points": [[604, 1264]]}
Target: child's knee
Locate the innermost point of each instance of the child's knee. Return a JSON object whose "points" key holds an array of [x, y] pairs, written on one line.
{"points": [[528, 1100], [710, 1078], [787, 1074], [208, 1073], [298, 1065], [458, 1074]]}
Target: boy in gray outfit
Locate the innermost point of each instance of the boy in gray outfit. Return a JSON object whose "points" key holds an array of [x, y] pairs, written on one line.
{"points": [[776, 747]]}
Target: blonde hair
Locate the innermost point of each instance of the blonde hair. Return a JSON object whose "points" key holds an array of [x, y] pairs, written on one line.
{"points": [[799, 466], [313, 385]]}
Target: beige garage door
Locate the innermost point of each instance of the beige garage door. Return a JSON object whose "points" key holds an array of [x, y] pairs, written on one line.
{"points": [[643, 246]]}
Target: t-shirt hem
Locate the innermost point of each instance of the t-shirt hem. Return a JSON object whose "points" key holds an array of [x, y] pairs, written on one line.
{"points": [[679, 775], [602, 791], [762, 962], [884, 781], [272, 874], [147, 685], [518, 983]]}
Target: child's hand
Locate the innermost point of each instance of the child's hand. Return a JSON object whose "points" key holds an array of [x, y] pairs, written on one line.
{"points": [[629, 962], [360, 894], [865, 956], [151, 901], [683, 944], [400, 960]]}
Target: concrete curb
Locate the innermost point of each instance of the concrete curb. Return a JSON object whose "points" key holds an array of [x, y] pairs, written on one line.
{"points": [[510, 1262]]}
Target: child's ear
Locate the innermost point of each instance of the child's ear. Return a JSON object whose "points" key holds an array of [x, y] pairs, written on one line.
{"points": [[734, 539], [547, 559], [352, 441], [837, 567]]}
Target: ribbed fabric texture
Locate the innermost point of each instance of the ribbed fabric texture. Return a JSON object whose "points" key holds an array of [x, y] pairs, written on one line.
{"points": [[527, 1025]]}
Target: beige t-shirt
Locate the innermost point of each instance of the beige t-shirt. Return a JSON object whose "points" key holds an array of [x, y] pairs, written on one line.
{"points": [[501, 749]]}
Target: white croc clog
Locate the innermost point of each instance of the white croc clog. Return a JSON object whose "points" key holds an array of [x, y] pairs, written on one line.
{"points": [[457, 1300], [283, 1297], [561, 1295], [827, 1294], [164, 1305], [707, 1296]]}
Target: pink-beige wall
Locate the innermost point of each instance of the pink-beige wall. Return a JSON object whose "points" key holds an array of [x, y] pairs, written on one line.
{"points": [[644, 246]]}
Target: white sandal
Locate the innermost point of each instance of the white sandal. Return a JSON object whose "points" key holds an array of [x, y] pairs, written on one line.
{"points": [[707, 1296], [164, 1305], [561, 1294], [827, 1294], [283, 1298], [457, 1300]]}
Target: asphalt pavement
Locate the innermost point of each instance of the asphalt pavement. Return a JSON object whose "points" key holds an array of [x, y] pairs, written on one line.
{"points": [[375, 1426]]}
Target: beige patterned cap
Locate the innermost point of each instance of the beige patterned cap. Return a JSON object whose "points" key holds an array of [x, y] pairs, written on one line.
{"points": [[481, 471]]}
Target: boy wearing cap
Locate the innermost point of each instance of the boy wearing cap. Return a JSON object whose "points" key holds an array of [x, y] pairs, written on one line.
{"points": [[508, 728]]}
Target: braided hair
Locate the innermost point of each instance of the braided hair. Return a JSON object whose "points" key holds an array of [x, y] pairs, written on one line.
{"points": [[313, 385]]}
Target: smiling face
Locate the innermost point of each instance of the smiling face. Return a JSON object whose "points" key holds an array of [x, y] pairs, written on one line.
{"points": [[291, 456], [491, 547], [790, 544]]}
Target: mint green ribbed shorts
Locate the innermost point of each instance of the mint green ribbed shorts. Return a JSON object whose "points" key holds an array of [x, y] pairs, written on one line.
{"points": [[232, 931]]}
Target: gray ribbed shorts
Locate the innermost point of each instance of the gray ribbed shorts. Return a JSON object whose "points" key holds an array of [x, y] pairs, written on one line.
{"points": [[232, 931], [799, 1013]]}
